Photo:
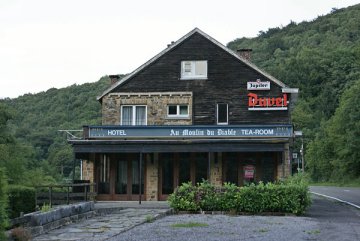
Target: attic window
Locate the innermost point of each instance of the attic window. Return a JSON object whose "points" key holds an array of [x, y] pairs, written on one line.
{"points": [[194, 69]]}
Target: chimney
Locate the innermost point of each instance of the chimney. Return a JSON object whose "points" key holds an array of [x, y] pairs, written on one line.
{"points": [[113, 79], [245, 54]]}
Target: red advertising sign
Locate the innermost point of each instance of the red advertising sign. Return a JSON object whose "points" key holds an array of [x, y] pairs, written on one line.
{"points": [[267, 103], [249, 171]]}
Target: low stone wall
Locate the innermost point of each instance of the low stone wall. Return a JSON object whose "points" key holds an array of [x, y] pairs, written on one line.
{"points": [[41, 222]]}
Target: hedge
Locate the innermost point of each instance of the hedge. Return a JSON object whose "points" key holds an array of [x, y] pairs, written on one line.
{"points": [[285, 197], [21, 199], [3, 203]]}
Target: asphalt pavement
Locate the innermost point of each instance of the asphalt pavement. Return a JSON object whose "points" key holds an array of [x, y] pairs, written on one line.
{"points": [[348, 194]]}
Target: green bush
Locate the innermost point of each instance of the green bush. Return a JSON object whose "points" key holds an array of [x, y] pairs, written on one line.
{"points": [[227, 197], [184, 198], [21, 199], [290, 196], [3, 203], [206, 196]]}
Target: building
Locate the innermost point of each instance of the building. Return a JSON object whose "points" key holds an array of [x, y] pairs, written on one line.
{"points": [[195, 111]]}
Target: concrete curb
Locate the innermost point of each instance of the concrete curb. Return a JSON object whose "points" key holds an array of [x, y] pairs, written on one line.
{"points": [[336, 199]]}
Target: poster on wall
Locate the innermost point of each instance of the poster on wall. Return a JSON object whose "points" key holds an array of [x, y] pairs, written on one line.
{"points": [[249, 171]]}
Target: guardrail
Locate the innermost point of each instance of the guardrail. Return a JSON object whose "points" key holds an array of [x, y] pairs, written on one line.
{"points": [[64, 193]]}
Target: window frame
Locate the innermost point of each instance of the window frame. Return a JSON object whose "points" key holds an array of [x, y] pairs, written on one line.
{"points": [[178, 115], [193, 70], [217, 114], [133, 117]]}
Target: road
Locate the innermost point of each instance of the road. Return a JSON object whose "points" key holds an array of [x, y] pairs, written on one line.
{"points": [[348, 194]]}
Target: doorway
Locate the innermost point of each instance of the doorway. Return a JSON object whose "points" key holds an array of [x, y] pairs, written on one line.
{"points": [[118, 177], [178, 168]]}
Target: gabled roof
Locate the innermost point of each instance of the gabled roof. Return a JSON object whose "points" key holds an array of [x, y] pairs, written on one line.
{"points": [[173, 45]]}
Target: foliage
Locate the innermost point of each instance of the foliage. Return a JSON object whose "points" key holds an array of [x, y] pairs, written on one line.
{"points": [[184, 198], [21, 199], [29, 126], [3, 203], [290, 196], [45, 208], [337, 145]]}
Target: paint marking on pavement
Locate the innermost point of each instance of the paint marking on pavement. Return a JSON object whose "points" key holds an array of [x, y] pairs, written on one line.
{"points": [[337, 199]]}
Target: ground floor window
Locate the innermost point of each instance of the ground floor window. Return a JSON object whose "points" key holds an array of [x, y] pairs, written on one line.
{"points": [[245, 168]]}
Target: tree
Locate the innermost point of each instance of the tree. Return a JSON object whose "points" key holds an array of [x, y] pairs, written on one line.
{"points": [[3, 203]]}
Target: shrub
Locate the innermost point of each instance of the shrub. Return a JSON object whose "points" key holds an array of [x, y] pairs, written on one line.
{"points": [[184, 198], [21, 199], [287, 197], [3, 203], [206, 196], [227, 197]]}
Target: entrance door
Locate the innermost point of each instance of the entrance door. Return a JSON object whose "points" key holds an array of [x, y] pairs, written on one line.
{"points": [[177, 168], [127, 185]]}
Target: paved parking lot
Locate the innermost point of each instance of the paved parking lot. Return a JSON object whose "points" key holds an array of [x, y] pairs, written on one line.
{"points": [[325, 220]]}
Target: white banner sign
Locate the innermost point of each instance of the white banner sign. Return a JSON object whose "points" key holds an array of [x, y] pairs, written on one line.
{"points": [[258, 85]]}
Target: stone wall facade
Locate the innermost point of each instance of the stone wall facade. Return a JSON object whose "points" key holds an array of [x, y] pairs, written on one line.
{"points": [[156, 104], [284, 167], [88, 170], [216, 169], [152, 178]]}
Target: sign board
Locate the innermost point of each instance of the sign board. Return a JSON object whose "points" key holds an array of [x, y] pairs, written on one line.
{"points": [[295, 155], [267, 103], [249, 171], [238, 131], [258, 85]]}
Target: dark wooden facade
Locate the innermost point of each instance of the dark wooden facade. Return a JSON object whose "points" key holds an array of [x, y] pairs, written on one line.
{"points": [[226, 83]]}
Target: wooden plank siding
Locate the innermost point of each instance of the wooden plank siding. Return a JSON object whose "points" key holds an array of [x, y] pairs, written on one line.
{"points": [[226, 83]]}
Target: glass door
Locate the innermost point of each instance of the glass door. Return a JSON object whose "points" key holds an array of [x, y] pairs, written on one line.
{"points": [[104, 175], [121, 184], [135, 187]]}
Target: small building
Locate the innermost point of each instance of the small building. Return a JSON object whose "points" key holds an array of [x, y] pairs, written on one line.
{"points": [[195, 111]]}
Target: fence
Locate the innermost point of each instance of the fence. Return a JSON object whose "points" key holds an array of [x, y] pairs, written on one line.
{"points": [[64, 193]]}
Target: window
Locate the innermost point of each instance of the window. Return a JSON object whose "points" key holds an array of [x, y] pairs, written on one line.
{"points": [[194, 69], [222, 114], [178, 110], [133, 115]]}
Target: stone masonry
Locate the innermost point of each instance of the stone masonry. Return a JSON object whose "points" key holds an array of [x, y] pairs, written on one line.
{"points": [[151, 178], [156, 103], [88, 170]]}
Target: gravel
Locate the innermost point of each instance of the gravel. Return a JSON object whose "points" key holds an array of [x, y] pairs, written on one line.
{"points": [[222, 227]]}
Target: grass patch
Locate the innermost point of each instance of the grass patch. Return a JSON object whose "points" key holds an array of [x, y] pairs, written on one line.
{"points": [[189, 225], [149, 219], [316, 231]]}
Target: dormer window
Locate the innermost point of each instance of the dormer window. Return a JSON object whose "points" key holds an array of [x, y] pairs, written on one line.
{"points": [[194, 69]]}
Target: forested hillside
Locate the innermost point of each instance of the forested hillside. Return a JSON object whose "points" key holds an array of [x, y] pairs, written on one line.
{"points": [[32, 130], [322, 59]]}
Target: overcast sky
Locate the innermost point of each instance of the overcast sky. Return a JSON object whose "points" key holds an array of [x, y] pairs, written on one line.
{"points": [[57, 43]]}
